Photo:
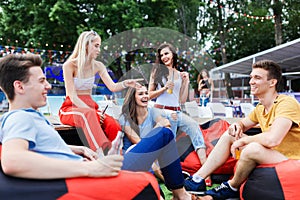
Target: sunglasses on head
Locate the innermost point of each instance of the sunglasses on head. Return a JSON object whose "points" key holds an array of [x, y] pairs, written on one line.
{"points": [[93, 32]]}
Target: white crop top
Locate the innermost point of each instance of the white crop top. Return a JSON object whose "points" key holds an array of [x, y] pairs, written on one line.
{"points": [[170, 99], [84, 83]]}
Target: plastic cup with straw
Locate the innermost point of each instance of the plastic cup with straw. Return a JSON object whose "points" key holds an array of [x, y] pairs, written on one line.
{"points": [[170, 90]]}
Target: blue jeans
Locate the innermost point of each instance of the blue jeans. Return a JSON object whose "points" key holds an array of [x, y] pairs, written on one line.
{"points": [[159, 144], [204, 100], [186, 124]]}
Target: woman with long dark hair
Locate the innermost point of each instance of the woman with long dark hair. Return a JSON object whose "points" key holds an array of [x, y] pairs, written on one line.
{"points": [[170, 89], [205, 87]]}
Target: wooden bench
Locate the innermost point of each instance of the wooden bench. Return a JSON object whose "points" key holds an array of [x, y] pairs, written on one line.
{"points": [[71, 135]]}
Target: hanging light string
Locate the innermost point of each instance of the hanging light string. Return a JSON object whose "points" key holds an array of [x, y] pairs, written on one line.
{"points": [[243, 14]]}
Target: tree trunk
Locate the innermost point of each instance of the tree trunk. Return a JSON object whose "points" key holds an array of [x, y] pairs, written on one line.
{"points": [[277, 9], [227, 81], [182, 15]]}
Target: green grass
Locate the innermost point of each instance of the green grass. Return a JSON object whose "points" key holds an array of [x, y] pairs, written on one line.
{"points": [[168, 193]]}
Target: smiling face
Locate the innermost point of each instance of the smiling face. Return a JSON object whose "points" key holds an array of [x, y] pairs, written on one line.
{"points": [[166, 56], [204, 74], [141, 97], [35, 89], [260, 82]]}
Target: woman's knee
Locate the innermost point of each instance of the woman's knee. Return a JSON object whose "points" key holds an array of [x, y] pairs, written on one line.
{"points": [[88, 111], [167, 133]]}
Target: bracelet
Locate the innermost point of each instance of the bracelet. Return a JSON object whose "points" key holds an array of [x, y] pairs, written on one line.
{"points": [[123, 84]]}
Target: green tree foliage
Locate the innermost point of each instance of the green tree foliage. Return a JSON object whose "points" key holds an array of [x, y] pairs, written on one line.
{"points": [[242, 28], [37, 23], [56, 24], [246, 35], [291, 19]]}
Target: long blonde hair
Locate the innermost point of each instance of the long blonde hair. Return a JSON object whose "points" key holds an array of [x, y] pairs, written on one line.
{"points": [[80, 54]]}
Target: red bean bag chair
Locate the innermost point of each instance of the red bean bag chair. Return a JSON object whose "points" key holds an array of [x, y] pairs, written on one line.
{"points": [[127, 185], [212, 131], [273, 182]]}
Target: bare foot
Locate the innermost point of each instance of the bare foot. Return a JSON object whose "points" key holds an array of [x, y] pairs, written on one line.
{"points": [[182, 196], [207, 197], [204, 198]]}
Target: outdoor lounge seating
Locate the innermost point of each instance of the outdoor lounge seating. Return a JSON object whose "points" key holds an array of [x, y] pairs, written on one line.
{"points": [[273, 181], [193, 110], [123, 186], [246, 108], [219, 110]]}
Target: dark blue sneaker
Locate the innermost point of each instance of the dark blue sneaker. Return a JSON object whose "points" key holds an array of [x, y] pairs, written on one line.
{"points": [[192, 186], [223, 191]]}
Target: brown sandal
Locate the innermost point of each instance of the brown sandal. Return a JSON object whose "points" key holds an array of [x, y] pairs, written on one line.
{"points": [[195, 197]]}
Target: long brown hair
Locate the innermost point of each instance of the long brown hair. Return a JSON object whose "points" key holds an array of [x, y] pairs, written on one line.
{"points": [[159, 70], [129, 110]]}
